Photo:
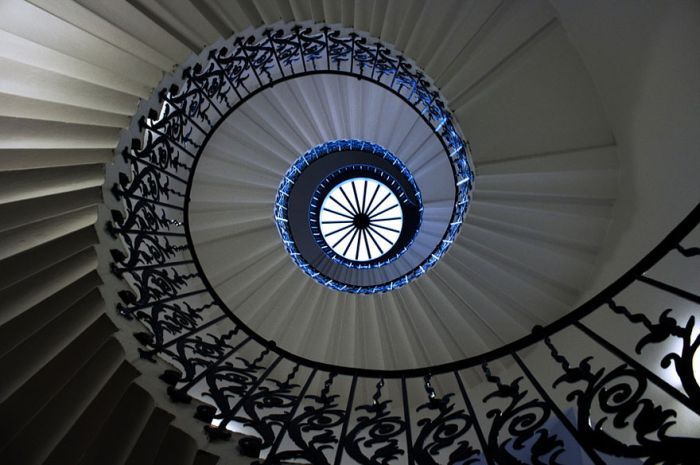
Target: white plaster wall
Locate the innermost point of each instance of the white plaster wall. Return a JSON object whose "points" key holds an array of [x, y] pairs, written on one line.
{"points": [[644, 58]]}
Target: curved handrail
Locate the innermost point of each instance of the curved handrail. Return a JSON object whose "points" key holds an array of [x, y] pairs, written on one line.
{"points": [[166, 143]]}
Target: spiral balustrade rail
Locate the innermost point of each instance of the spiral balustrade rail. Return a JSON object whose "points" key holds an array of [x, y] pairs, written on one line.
{"points": [[178, 126], [584, 134], [575, 391]]}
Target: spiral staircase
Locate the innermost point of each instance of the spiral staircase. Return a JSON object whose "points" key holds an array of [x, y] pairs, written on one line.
{"points": [[552, 322]]}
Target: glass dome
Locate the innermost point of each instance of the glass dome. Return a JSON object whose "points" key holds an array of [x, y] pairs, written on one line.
{"points": [[361, 219]]}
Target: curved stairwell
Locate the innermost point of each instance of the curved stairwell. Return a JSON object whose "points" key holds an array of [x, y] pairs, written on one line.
{"points": [[542, 217], [234, 189]]}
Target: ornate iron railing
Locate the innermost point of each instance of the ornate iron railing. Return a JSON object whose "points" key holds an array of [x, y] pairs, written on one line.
{"points": [[613, 379]]}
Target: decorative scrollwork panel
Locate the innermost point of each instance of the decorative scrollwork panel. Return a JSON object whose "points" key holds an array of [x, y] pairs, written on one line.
{"points": [[378, 427], [619, 411], [258, 401], [521, 426], [604, 395], [668, 335], [313, 434], [193, 354], [443, 429], [166, 321]]}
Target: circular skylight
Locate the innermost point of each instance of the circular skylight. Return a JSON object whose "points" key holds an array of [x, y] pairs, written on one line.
{"points": [[350, 215], [361, 219]]}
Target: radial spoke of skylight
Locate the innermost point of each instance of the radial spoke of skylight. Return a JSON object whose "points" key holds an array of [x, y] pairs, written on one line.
{"points": [[361, 219]]}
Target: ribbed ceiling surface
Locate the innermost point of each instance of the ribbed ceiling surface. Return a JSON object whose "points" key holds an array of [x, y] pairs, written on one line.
{"points": [[544, 158], [72, 76]]}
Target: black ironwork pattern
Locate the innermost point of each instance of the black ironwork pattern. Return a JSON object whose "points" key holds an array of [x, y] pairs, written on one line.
{"points": [[445, 430], [165, 320], [266, 410], [376, 437], [195, 354], [170, 131], [520, 429], [167, 294], [668, 327], [621, 396], [233, 381], [313, 430]]}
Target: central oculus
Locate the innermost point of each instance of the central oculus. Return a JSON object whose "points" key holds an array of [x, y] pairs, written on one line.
{"points": [[347, 212], [361, 215], [361, 219]]}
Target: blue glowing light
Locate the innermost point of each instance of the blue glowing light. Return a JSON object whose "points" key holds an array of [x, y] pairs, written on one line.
{"points": [[463, 179]]}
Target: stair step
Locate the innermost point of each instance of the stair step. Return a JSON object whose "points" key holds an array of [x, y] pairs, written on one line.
{"points": [[24, 212], [41, 387], [43, 256], [178, 448], [17, 330], [121, 429], [33, 434], [22, 296], [35, 353], [95, 419], [205, 458], [147, 445]]}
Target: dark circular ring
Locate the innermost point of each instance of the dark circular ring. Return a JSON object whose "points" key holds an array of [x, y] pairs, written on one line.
{"points": [[294, 215], [406, 192]]}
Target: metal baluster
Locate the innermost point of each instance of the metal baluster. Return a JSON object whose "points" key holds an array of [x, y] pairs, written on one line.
{"points": [[653, 377], [376, 57], [215, 364], [227, 417], [252, 389], [163, 95], [187, 73], [415, 82], [396, 71], [241, 47], [327, 49], [166, 136], [620, 399], [477, 427], [660, 332], [127, 156], [592, 454], [433, 96], [213, 57], [353, 36], [267, 34], [670, 289], [163, 301], [148, 354], [344, 429], [290, 415], [407, 419], [121, 193], [295, 31]]}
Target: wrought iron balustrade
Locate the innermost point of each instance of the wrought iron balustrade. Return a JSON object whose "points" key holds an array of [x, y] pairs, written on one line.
{"points": [[581, 390], [612, 380]]}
